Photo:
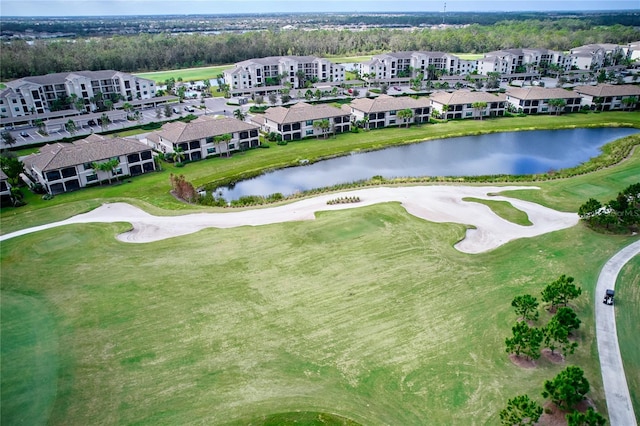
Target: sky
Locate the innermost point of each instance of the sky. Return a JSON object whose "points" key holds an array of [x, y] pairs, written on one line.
{"points": [[191, 7]]}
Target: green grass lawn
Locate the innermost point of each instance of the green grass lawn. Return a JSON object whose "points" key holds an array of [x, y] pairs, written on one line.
{"points": [[366, 315], [187, 74], [627, 301], [505, 210]]}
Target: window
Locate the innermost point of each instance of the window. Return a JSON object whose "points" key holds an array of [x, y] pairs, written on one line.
{"points": [[92, 178], [232, 146], [393, 112], [309, 132], [211, 150], [309, 123]]}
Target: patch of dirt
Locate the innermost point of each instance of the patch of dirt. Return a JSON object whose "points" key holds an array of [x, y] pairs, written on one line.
{"points": [[522, 362], [554, 416], [555, 357]]}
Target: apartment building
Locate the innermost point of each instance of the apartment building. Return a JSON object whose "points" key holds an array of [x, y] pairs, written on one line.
{"points": [[203, 137], [278, 70], [63, 167], [511, 61], [535, 100], [81, 90], [464, 104], [609, 97], [408, 64], [298, 121], [382, 111], [596, 56]]}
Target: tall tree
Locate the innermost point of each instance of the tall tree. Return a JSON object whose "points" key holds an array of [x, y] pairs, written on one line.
{"points": [[479, 107], [561, 291], [521, 411], [558, 105], [588, 418], [526, 306], [177, 155], [556, 335], [405, 115], [8, 138], [568, 388], [239, 114], [70, 126], [526, 340]]}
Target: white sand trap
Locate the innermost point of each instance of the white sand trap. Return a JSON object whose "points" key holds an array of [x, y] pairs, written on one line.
{"points": [[433, 203]]}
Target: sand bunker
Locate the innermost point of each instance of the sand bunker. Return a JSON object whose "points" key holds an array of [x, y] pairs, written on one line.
{"points": [[433, 203]]}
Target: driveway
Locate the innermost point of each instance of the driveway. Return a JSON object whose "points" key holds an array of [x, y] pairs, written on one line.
{"points": [[613, 378]]}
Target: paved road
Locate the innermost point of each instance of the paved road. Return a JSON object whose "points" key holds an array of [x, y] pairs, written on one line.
{"points": [[615, 382]]}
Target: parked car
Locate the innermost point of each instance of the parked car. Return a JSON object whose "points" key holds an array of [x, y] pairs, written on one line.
{"points": [[91, 123], [189, 109], [176, 111], [24, 134]]}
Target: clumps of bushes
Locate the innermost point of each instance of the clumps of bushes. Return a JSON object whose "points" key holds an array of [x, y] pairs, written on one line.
{"points": [[344, 200], [183, 189]]}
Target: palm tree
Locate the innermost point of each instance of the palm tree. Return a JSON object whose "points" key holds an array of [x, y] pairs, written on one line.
{"points": [[557, 104], [323, 125], [239, 114], [70, 126], [479, 106], [405, 115], [177, 155], [104, 121], [108, 166], [630, 102], [445, 109]]}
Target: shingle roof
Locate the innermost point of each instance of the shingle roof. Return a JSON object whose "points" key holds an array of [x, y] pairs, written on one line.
{"points": [[87, 150], [302, 112], [3, 175], [466, 97], [609, 90], [532, 93], [388, 103], [200, 128]]}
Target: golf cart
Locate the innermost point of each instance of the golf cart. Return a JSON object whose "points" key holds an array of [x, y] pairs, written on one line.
{"points": [[608, 297]]}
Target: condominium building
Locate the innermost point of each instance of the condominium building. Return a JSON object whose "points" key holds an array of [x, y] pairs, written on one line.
{"points": [[608, 97], [596, 56], [201, 137], [80, 90], [382, 111], [63, 167], [536, 100], [467, 104], [511, 61], [300, 120], [277, 70], [409, 64]]}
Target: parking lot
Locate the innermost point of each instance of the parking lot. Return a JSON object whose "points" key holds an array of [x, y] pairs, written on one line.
{"points": [[28, 135]]}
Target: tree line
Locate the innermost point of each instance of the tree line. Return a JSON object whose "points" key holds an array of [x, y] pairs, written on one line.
{"points": [[152, 52]]}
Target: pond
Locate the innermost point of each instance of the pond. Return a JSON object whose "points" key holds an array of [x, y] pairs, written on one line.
{"points": [[513, 153]]}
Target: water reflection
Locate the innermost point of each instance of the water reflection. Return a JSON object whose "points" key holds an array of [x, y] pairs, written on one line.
{"points": [[511, 153]]}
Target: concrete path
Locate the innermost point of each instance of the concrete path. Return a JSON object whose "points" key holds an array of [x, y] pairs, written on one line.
{"points": [[615, 382]]}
